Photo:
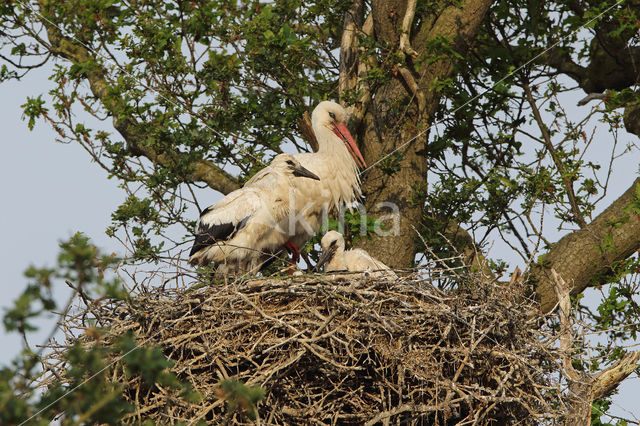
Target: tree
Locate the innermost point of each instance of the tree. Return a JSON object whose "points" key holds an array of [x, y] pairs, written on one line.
{"points": [[460, 108]]}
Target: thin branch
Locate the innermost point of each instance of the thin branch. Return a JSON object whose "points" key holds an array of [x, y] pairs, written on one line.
{"points": [[413, 87], [590, 97], [568, 184]]}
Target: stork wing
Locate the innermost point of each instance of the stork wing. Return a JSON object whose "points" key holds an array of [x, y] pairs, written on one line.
{"points": [[222, 220], [266, 177], [363, 260]]}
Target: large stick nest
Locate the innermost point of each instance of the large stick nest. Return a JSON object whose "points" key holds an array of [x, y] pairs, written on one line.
{"points": [[354, 351]]}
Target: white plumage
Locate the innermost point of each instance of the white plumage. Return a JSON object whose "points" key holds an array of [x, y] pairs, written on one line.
{"points": [[335, 165], [355, 260], [239, 232]]}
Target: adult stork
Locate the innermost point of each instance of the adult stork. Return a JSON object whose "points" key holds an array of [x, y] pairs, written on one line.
{"points": [[354, 260], [336, 164], [239, 232]]}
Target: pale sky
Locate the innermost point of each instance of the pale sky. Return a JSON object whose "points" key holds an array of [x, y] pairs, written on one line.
{"points": [[52, 190]]}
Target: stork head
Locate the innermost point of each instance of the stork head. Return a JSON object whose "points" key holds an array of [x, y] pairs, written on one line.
{"points": [[289, 164], [331, 243], [333, 116]]}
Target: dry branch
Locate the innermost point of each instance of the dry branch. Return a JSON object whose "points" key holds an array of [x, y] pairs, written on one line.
{"points": [[580, 384], [304, 124], [609, 379], [405, 43]]}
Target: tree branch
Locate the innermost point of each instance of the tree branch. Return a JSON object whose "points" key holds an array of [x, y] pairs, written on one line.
{"points": [[607, 380], [304, 124], [132, 131], [348, 48], [586, 256], [590, 97], [406, 49], [405, 43], [580, 383], [563, 63], [352, 66], [413, 87], [613, 64]]}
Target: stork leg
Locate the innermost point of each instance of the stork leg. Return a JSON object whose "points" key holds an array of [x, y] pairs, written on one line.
{"points": [[293, 250]]}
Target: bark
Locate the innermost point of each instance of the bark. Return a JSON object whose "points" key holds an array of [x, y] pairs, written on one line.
{"points": [[132, 131], [585, 257], [402, 108]]}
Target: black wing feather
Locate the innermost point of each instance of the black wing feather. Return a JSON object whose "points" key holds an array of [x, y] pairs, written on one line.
{"points": [[210, 234]]}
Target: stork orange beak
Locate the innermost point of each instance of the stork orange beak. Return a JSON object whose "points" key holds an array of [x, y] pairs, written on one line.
{"points": [[343, 133]]}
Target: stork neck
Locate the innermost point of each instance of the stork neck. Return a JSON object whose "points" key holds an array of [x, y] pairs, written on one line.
{"points": [[335, 166], [330, 144]]}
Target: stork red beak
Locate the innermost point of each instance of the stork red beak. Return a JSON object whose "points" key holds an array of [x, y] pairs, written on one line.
{"points": [[343, 133]]}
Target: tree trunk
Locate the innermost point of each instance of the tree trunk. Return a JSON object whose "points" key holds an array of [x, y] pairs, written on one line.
{"points": [[387, 191], [396, 121]]}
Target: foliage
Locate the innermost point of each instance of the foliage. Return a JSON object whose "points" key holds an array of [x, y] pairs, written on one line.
{"points": [[240, 396]]}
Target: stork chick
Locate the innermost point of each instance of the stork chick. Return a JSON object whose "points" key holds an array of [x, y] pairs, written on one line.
{"points": [[239, 232], [354, 260]]}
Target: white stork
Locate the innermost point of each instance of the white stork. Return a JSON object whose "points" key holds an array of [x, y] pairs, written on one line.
{"points": [[354, 260], [240, 231], [336, 164]]}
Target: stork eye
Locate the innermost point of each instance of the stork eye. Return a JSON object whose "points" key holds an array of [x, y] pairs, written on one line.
{"points": [[333, 243], [291, 163], [332, 115]]}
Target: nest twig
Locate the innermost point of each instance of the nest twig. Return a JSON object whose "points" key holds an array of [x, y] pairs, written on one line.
{"points": [[358, 351]]}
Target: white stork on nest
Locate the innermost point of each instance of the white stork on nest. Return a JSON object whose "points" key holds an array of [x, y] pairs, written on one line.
{"points": [[355, 260], [336, 164], [239, 232]]}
